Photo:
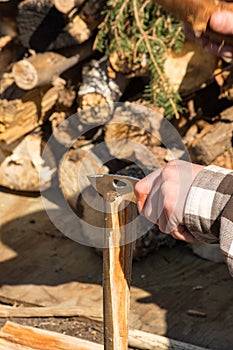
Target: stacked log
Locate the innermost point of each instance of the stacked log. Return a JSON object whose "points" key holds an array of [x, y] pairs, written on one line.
{"points": [[31, 87]]}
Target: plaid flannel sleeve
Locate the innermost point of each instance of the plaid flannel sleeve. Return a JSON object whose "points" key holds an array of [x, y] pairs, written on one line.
{"points": [[209, 209]]}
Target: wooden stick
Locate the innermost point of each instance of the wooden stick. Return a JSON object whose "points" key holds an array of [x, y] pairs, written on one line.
{"points": [[42, 68], [49, 311], [117, 265]]}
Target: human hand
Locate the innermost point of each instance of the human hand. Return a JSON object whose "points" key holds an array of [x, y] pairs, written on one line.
{"points": [[162, 194], [222, 23]]}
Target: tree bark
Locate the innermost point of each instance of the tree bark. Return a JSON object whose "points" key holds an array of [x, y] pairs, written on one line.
{"points": [[98, 89], [38, 19]]}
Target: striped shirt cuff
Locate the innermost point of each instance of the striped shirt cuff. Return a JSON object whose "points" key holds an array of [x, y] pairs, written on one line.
{"points": [[205, 202]]}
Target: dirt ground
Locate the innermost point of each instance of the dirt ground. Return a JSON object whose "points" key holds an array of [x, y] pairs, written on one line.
{"points": [[39, 266]]}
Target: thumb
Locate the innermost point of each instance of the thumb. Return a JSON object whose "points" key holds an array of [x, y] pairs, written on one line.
{"points": [[222, 22]]}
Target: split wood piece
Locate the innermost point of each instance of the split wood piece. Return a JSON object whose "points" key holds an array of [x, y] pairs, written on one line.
{"points": [[21, 116], [212, 142], [43, 68], [197, 14], [22, 167], [133, 125], [99, 89], [74, 168], [117, 266], [189, 69], [14, 336], [56, 311]]}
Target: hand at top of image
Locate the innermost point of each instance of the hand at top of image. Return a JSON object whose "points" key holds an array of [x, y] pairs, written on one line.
{"points": [[222, 23]]}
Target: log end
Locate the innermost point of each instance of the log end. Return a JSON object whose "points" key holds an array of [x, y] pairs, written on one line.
{"points": [[64, 6], [25, 75]]}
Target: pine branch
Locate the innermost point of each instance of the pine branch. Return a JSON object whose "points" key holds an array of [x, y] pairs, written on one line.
{"points": [[135, 31]]}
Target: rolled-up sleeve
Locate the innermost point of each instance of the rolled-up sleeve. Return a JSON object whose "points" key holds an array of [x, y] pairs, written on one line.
{"points": [[209, 209]]}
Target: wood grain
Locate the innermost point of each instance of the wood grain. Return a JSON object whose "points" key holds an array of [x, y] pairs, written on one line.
{"points": [[117, 265]]}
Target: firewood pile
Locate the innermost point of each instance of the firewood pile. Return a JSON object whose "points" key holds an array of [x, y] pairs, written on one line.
{"points": [[49, 70]]}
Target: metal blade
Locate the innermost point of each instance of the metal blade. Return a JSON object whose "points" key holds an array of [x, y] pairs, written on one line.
{"points": [[110, 183]]}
